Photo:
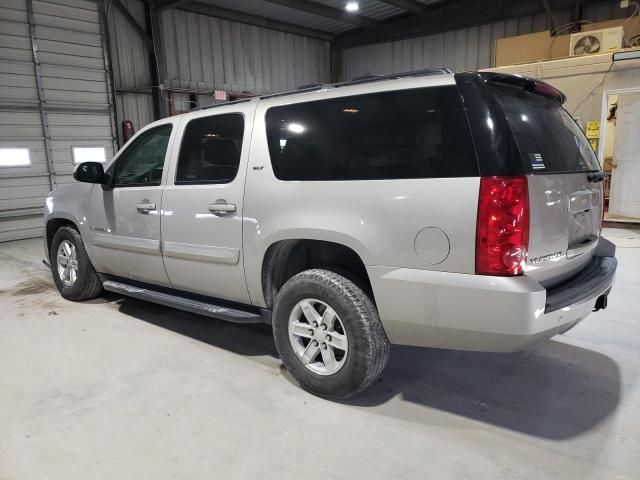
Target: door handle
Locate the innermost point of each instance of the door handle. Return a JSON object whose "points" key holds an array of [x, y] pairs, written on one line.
{"points": [[222, 208], [145, 207]]}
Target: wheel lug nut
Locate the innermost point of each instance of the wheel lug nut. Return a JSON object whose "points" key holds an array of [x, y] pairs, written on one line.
{"points": [[324, 346], [315, 324], [311, 332], [324, 327], [328, 338], [315, 343]]}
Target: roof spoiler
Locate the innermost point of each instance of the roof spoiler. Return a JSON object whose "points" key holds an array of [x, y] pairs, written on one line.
{"points": [[530, 84]]}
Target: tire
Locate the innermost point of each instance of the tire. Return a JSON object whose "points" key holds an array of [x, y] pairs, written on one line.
{"points": [[357, 317], [86, 285]]}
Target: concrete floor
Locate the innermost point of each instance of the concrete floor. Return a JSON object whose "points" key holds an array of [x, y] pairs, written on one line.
{"points": [[121, 389]]}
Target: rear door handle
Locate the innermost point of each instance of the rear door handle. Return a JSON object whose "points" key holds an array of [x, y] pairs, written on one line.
{"points": [[145, 207], [222, 208]]}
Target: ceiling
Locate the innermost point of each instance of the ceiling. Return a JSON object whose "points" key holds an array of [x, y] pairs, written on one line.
{"points": [[324, 16], [374, 20]]}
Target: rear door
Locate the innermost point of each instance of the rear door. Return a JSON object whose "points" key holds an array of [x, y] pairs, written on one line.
{"points": [[202, 204], [564, 194]]}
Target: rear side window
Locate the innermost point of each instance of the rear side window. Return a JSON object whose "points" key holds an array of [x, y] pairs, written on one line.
{"points": [[419, 133], [549, 139], [210, 150]]}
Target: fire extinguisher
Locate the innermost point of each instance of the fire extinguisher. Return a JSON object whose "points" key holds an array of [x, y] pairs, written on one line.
{"points": [[127, 130]]}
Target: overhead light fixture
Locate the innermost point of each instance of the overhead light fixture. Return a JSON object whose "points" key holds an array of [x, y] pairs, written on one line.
{"points": [[352, 7], [211, 135], [350, 110]]}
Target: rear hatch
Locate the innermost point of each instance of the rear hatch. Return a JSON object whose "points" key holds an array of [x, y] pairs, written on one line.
{"points": [[565, 196]]}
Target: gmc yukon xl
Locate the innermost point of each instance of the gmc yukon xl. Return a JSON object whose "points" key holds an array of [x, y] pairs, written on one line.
{"points": [[433, 209]]}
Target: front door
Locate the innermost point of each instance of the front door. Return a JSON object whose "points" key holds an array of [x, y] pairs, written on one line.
{"points": [[202, 205], [625, 194], [124, 219]]}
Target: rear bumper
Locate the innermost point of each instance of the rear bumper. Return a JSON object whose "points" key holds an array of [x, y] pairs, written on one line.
{"points": [[484, 313]]}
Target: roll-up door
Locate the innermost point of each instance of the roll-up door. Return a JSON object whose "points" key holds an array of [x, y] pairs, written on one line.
{"points": [[55, 103]]}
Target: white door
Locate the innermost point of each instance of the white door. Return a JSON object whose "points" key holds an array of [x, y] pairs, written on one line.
{"points": [[625, 194], [124, 219], [202, 204]]}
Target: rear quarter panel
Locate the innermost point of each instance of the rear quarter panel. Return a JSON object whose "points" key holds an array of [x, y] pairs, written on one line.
{"points": [[378, 219]]}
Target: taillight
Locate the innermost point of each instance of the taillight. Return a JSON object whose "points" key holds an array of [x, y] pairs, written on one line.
{"points": [[502, 230]]}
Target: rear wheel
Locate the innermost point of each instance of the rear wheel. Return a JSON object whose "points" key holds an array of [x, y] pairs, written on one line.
{"points": [[328, 334], [73, 273]]}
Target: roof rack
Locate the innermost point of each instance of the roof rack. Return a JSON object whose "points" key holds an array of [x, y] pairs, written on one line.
{"points": [[365, 78], [232, 102]]}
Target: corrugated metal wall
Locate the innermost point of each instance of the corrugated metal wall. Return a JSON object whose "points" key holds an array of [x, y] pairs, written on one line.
{"points": [[205, 53], [73, 102], [131, 69], [465, 49]]}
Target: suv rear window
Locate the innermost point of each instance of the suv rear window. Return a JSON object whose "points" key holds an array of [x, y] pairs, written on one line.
{"points": [[418, 133], [549, 139]]}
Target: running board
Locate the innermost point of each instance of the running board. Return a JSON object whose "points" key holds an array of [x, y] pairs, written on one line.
{"points": [[229, 314]]}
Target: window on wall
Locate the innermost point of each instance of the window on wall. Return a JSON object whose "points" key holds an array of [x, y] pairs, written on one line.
{"points": [[418, 133], [15, 157], [210, 151], [89, 154]]}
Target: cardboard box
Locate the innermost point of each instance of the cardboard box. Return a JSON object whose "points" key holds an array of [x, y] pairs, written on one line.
{"points": [[532, 47]]}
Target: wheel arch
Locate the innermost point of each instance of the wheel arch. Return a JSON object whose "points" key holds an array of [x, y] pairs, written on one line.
{"points": [[285, 258], [53, 225]]}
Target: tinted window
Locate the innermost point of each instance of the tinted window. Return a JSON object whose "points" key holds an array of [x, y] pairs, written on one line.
{"points": [[142, 162], [548, 137], [210, 151], [418, 133]]}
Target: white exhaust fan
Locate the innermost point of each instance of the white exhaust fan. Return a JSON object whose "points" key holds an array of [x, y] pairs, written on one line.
{"points": [[595, 41]]}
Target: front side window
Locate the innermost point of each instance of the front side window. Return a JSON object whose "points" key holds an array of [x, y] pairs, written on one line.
{"points": [[142, 162], [418, 133], [210, 151]]}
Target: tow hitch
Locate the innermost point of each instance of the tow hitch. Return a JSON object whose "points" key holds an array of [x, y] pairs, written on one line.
{"points": [[601, 302]]}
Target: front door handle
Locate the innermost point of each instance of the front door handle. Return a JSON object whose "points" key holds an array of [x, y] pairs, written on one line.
{"points": [[145, 207], [222, 208]]}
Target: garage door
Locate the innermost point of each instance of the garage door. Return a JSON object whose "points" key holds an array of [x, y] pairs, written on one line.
{"points": [[55, 104]]}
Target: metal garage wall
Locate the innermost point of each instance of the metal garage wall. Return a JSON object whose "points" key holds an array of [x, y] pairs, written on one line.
{"points": [[465, 49], [131, 69], [63, 100], [206, 53]]}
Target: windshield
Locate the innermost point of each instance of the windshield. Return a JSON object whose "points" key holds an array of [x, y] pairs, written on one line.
{"points": [[549, 139]]}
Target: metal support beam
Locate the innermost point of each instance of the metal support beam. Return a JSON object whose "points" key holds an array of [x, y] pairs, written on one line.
{"points": [[134, 23], [152, 28], [108, 73], [160, 5], [326, 11], [408, 5], [451, 16], [235, 16], [44, 115]]}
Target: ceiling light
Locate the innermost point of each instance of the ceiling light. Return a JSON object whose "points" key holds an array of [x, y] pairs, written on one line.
{"points": [[350, 110], [352, 7]]}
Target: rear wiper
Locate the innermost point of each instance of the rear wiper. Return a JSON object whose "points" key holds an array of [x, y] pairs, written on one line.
{"points": [[595, 177]]}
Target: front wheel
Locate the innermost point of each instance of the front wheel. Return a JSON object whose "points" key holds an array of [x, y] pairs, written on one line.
{"points": [[328, 334], [73, 273]]}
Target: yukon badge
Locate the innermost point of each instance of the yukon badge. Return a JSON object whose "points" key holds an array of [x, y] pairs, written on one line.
{"points": [[546, 258]]}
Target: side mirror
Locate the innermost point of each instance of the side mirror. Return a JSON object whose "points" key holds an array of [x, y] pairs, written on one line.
{"points": [[91, 172]]}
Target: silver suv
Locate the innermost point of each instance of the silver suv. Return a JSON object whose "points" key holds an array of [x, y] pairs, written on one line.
{"points": [[432, 209]]}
